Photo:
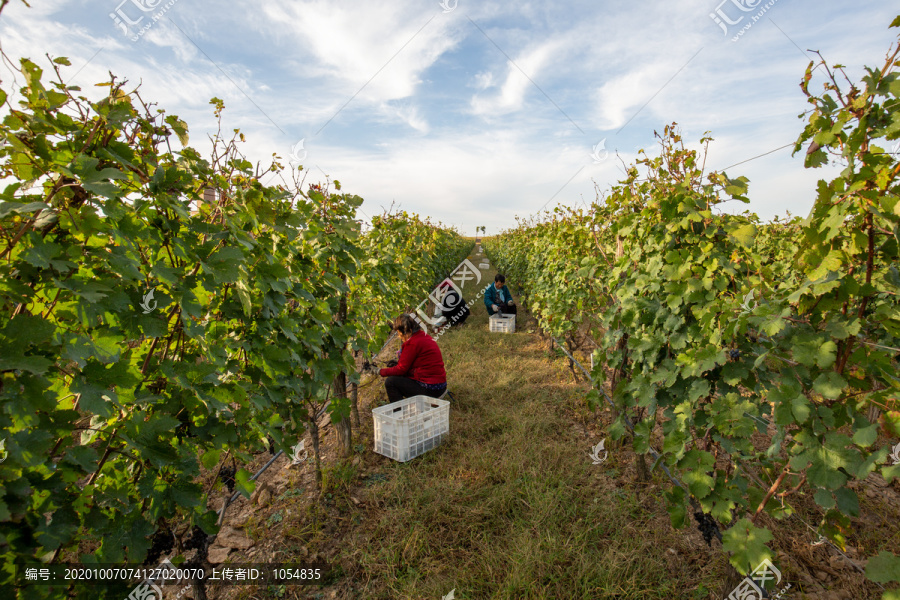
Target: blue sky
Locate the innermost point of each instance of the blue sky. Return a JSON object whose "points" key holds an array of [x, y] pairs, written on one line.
{"points": [[473, 113]]}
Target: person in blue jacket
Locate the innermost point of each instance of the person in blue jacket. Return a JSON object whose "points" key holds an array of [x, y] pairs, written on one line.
{"points": [[498, 299]]}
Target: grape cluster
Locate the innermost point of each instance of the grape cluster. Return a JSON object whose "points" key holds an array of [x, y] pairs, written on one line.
{"points": [[182, 431], [227, 477], [734, 354], [271, 444], [161, 543], [197, 540], [158, 385], [184, 428], [707, 526]]}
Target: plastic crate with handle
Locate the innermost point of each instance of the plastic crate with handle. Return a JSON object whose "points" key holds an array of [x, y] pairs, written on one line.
{"points": [[503, 324], [408, 428]]}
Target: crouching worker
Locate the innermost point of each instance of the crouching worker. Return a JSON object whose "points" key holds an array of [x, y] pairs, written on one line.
{"points": [[497, 298], [420, 369], [453, 307]]}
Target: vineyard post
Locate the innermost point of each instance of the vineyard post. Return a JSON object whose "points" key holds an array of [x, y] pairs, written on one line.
{"points": [[617, 375], [642, 472], [314, 436], [354, 403], [342, 427]]}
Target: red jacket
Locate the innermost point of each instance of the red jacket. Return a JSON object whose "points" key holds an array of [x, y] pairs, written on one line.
{"points": [[420, 360]]}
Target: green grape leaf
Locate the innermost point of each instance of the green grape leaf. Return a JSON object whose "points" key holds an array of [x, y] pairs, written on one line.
{"points": [[847, 501], [830, 385], [747, 545], [824, 499], [243, 483], [883, 568]]}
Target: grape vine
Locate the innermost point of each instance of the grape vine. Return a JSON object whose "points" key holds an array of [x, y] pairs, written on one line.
{"points": [[162, 311], [713, 328]]}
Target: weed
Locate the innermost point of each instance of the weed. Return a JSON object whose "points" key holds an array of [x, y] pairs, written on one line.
{"points": [[292, 493], [336, 479]]}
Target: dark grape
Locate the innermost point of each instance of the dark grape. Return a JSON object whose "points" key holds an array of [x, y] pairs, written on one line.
{"points": [[227, 477], [161, 543], [734, 354], [707, 526], [158, 385], [184, 429], [197, 540]]}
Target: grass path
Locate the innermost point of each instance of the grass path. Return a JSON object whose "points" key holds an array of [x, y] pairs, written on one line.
{"points": [[511, 506]]}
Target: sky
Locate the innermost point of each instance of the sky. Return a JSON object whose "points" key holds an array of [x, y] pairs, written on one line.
{"points": [[473, 113]]}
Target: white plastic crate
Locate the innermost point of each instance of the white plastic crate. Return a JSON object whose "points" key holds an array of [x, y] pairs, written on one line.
{"points": [[410, 427], [504, 324], [484, 266]]}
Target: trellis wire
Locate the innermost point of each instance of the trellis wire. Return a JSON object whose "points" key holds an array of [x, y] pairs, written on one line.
{"points": [[254, 478]]}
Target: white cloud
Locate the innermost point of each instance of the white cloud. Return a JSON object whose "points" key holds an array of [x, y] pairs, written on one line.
{"points": [[520, 80], [483, 80], [411, 116], [619, 98], [164, 35], [361, 43]]}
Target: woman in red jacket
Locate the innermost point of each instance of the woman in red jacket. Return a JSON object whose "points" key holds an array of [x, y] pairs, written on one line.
{"points": [[420, 370]]}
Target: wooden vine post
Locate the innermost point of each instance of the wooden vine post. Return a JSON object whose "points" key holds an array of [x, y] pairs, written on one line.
{"points": [[343, 427]]}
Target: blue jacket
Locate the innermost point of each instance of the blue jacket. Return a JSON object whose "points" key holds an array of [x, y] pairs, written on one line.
{"points": [[492, 295]]}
